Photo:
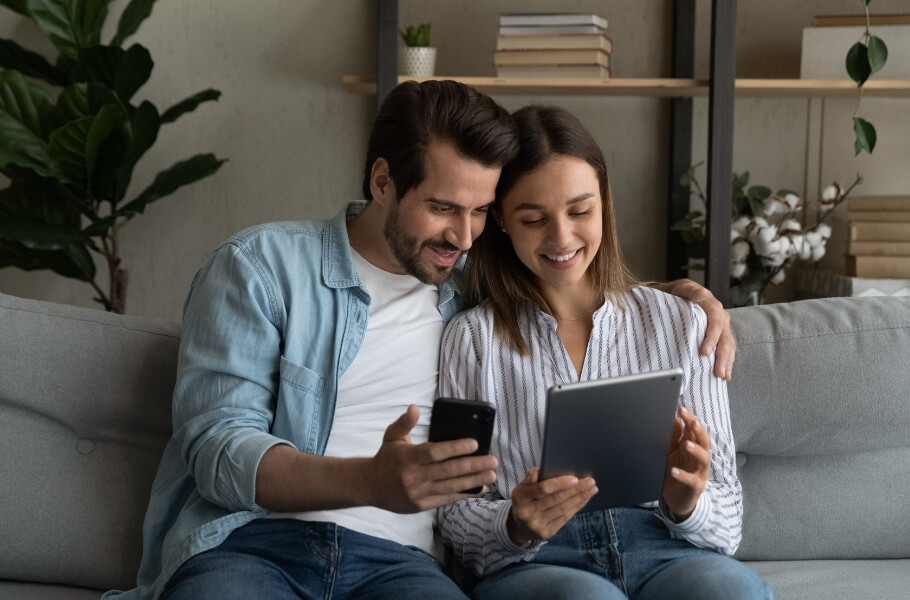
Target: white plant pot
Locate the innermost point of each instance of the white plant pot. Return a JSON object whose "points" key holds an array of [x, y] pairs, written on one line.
{"points": [[416, 61]]}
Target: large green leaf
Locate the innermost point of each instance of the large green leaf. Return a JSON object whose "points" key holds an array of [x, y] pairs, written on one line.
{"points": [[865, 135], [84, 100], [76, 146], [20, 146], [124, 71], [70, 24], [189, 105], [38, 235], [168, 181], [74, 261], [50, 188], [33, 202], [26, 102], [857, 63], [31, 64], [133, 15], [144, 125]]}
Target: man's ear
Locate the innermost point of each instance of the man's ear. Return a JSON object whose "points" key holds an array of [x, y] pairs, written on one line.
{"points": [[382, 187]]}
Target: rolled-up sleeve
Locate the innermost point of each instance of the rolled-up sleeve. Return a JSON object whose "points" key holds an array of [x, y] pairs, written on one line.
{"points": [[227, 378]]}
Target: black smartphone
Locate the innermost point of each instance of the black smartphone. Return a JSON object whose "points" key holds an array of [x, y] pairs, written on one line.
{"points": [[453, 419]]}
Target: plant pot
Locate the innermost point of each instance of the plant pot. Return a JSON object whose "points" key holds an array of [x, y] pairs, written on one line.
{"points": [[416, 61]]}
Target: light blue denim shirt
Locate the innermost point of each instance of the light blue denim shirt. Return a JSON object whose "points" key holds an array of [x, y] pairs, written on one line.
{"points": [[270, 324]]}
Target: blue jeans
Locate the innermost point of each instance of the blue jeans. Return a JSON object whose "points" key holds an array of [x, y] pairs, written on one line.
{"points": [[623, 553], [290, 559]]}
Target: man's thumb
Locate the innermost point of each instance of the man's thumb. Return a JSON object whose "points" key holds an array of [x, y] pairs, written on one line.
{"points": [[401, 428]]}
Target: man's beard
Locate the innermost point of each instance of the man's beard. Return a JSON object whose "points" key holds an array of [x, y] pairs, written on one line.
{"points": [[407, 249]]}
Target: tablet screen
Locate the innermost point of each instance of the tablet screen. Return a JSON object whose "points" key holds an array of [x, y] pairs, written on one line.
{"points": [[617, 430]]}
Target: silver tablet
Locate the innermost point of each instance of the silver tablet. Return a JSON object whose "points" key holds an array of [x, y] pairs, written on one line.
{"points": [[617, 430]]}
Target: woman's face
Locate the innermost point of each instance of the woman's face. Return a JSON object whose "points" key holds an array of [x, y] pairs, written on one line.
{"points": [[553, 216]]}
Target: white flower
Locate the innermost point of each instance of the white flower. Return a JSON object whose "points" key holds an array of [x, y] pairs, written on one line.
{"points": [[817, 253], [831, 196], [831, 193], [814, 239], [741, 225], [739, 249], [792, 201], [805, 251], [773, 205], [824, 230], [790, 227], [779, 277], [738, 270]]}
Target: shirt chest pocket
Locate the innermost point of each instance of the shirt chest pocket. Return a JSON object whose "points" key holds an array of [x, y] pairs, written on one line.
{"points": [[301, 416]]}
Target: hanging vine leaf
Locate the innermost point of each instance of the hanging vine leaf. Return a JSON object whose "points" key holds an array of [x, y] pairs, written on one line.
{"points": [[858, 63], [865, 135], [878, 54]]}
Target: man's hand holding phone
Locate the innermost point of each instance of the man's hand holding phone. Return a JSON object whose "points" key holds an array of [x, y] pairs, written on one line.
{"points": [[412, 478]]}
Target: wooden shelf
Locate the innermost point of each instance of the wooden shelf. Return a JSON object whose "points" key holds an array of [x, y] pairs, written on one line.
{"points": [[664, 88]]}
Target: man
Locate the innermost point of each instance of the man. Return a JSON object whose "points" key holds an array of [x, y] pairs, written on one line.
{"points": [[302, 342]]}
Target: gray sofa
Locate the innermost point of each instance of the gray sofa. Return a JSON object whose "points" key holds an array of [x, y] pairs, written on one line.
{"points": [[821, 415]]}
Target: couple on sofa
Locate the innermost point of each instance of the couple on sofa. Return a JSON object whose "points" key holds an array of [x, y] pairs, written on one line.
{"points": [[303, 341]]}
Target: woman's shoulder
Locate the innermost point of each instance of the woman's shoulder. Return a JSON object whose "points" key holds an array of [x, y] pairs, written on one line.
{"points": [[479, 317], [651, 302]]}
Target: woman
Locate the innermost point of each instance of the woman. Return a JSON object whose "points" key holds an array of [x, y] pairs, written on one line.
{"points": [[555, 304]]}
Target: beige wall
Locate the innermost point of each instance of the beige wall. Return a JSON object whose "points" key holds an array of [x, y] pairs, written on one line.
{"points": [[295, 138]]}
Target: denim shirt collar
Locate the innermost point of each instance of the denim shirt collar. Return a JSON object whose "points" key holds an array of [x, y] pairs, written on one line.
{"points": [[338, 269]]}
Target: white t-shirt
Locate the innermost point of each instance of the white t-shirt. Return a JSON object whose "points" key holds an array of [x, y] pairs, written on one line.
{"points": [[397, 365]]}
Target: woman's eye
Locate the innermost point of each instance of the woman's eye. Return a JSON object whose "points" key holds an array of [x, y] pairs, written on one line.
{"points": [[581, 214], [531, 222]]}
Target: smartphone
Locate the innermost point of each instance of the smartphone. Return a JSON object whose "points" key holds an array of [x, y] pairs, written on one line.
{"points": [[453, 419]]}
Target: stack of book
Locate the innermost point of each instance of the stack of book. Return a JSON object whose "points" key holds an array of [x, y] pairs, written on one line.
{"points": [[552, 45], [879, 243]]}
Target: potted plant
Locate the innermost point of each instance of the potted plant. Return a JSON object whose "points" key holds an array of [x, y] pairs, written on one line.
{"points": [[71, 135], [416, 57]]}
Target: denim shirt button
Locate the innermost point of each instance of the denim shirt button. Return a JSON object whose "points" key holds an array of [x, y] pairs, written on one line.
{"points": [[85, 446]]}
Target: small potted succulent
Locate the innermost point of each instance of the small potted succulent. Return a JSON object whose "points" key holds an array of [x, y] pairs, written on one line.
{"points": [[416, 57]]}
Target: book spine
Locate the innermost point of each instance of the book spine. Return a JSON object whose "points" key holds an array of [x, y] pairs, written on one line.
{"points": [[874, 232], [860, 248], [883, 216], [884, 267], [889, 203]]}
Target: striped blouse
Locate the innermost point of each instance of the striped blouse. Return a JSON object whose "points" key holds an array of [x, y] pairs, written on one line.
{"points": [[654, 331]]}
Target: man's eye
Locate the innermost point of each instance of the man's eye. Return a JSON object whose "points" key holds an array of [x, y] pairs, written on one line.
{"points": [[442, 210]]}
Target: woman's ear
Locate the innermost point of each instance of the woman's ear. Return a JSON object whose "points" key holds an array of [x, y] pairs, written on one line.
{"points": [[382, 188], [497, 216]]}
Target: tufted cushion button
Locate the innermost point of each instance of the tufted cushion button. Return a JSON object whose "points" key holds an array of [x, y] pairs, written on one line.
{"points": [[740, 459], [85, 446]]}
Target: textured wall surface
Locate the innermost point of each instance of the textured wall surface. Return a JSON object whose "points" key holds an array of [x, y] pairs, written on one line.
{"points": [[295, 138]]}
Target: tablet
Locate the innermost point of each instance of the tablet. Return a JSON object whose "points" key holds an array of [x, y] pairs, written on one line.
{"points": [[617, 430]]}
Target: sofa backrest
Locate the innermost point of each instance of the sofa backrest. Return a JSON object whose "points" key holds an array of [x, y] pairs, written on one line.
{"points": [[85, 413], [820, 404]]}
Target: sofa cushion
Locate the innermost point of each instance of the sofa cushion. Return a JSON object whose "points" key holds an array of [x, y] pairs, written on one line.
{"points": [[820, 404], [85, 415], [40, 591], [836, 579]]}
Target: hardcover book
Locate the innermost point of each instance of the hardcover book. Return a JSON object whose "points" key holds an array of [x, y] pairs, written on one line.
{"points": [[551, 57], [525, 19], [586, 71], [554, 42], [884, 267], [880, 232], [879, 203]]}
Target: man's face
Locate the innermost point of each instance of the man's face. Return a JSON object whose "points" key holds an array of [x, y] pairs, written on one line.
{"points": [[437, 221]]}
